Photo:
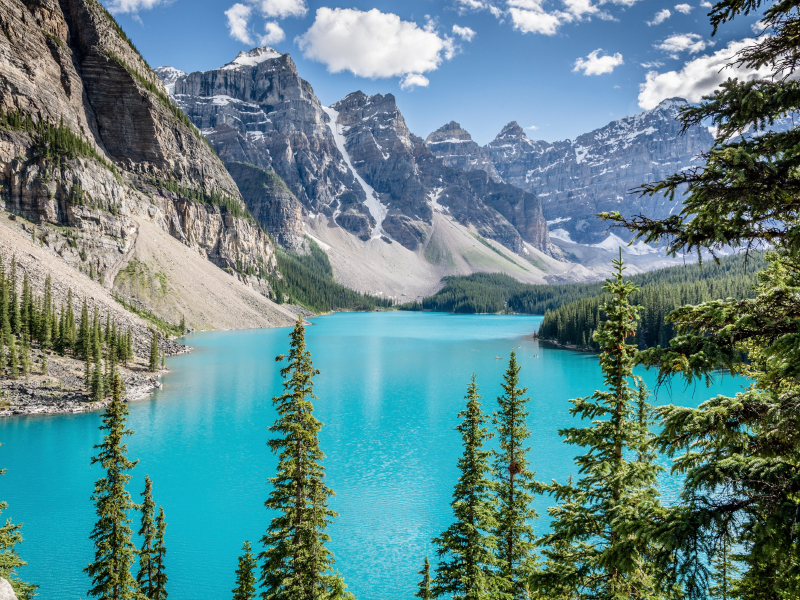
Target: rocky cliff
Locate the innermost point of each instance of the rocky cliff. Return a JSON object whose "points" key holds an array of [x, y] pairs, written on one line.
{"points": [[90, 142], [356, 163], [576, 179]]}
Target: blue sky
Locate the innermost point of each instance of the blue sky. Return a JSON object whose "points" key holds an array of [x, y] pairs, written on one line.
{"points": [[564, 67]]}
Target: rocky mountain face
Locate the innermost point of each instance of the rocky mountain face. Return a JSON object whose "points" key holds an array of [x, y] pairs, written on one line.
{"points": [[91, 143], [576, 179], [455, 146], [355, 162]]}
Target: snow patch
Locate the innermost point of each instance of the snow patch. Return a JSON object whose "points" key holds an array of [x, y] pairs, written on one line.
{"points": [[376, 209], [613, 242], [434, 198], [559, 220], [253, 57], [561, 234]]}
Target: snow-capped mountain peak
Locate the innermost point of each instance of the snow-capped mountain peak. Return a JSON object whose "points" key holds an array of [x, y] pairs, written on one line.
{"points": [[253, 57], [168, 76]]}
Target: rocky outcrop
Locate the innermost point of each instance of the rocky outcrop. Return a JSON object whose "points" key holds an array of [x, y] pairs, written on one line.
{"points": [[69, 73], [6, 591], [355, 162], [271, 202], [455, 146], [576, 179]]}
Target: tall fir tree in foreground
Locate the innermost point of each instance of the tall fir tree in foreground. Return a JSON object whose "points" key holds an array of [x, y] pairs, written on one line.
{"points": [[739, 456], [593, 552], [515, 486], [467, 566], [297, 563], [10, 561], [159, 555], [115, 553], [147, 531], [154, 352], [245, 576], [424, 591]]}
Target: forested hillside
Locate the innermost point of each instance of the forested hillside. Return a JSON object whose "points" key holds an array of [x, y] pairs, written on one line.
{"points": [[307, 280]]}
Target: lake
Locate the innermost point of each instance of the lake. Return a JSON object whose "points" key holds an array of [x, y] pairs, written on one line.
{"points": [[390, 388]]}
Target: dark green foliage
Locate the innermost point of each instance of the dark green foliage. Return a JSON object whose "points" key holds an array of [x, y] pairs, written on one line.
{"points": [[160, 552], [147, 568], [593, 552], [153, 365], [296, 561], [308, 280], [235, 207], [114, 551], [424, 587], [245, 576], [53, 142], [10, 536], [467, 562], [515, 485]]}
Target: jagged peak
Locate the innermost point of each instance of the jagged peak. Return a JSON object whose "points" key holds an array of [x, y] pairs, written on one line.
{"points": [[669, 103], [512, 130], [169, 74], [253, 58], [450, 131]]}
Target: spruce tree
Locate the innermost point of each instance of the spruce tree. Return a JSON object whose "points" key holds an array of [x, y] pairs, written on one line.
{"points": [[13, 359], [146, 576], [84, 333], [424, 587], [14, 313], [5, 321], [26, 358], [114, 551], [25, 307], [296, 560], [467, 563], [593, 550], [98, 385], [10, 561], [515, 485], [160, 551], [245, 576], [154, 352]]}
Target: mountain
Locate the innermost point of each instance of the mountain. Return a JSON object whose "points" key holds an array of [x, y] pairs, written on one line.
{"points": [[392, 217], [105, 172], [576, 179]]}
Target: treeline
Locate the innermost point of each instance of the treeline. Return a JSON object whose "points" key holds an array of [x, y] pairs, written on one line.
{"points": [[307, 280], [574, 323], [496, 292], [213, 197]]}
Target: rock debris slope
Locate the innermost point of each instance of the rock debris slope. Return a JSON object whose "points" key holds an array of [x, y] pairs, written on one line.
{"points": [[576, 179], [93, 154]]}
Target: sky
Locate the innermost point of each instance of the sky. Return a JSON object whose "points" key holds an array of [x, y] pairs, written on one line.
{"points": [[559, 68]]}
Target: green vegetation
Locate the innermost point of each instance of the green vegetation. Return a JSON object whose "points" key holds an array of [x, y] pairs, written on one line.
{"points": [[486, 243], [10, 561], [163, 326], [307, 280], [245, 576], [297, 563], [215, 198], [53, 142]]}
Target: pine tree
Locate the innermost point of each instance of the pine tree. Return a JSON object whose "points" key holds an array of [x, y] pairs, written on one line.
{"points": [[84, 333], [5, 322], [14, 314], [467, 564], [163, 360], [25, 307], [13, 359], [245, 576], [424, 588], [146, 576], [98, 385], [26, 358], [515, 484], [114, 551], [160, 551], [154, 352], [593, 550], [10, 536], [296, 561]]}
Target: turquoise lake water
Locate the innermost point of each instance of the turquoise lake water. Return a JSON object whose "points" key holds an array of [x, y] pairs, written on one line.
{"points": [[390, 388]]}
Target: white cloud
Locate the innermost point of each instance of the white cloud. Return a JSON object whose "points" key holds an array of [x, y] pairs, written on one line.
{"points": [[758, 27], [471, 5], [412, 80], [530, 16], [683, 8], [660, 17], [682, 42], [594, 64], [273, 34], [131, 6], [465, 33], [531, 127], [281, 9], [698, 77], [374, 44], [706, 4], [537, 20], [652, 65], [238, 14]]}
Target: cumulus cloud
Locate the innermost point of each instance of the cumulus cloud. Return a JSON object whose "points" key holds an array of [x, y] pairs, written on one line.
{"points": [[273, 34], [412, 80], [594, 64], [530, 16], [682, 42], [375, 44], [238, 14], [652, 65], [660, 17], [465, 33], [131, 6], [698, 77], [280, 9], [683, 8], [531, 127], [706, 4]]}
